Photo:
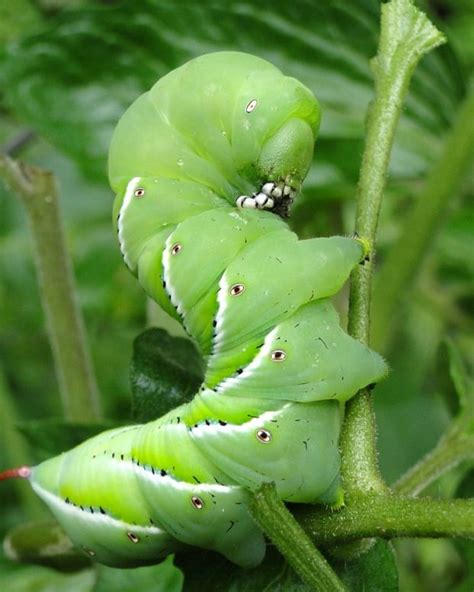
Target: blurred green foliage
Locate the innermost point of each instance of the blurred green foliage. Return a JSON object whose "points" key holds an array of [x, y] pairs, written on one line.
{"points": [[67, 72], [165, 372]]}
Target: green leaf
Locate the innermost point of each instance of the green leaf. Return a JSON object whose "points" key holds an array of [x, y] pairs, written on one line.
{"points": [[49, 437], [373, 571], [463, 383], [270, 578], [44, 543], [17, 18], [32, 578], [164, 577], [453, 380], [73, 82], [409, 416], [166, 371], [454, 249], [205, 570]]}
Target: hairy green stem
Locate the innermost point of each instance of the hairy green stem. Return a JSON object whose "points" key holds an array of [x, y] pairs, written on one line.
{"points": [[388, 516], [272, 516], [453, 448], [38, 192], [358, 442], [406, 34], [420, 227]]}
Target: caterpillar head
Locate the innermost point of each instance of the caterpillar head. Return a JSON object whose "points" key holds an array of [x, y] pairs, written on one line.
{"points": [[276, 119], [227, 121]]}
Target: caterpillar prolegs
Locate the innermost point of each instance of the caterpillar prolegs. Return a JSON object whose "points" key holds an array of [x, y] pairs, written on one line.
{"points": [[205, 166]]}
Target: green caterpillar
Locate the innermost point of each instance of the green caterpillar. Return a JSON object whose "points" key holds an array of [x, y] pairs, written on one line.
{"points": [[205, 166]]}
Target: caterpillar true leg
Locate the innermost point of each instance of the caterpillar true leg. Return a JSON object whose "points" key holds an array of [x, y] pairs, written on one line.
{"points": [[271, 196], [259, 201]]}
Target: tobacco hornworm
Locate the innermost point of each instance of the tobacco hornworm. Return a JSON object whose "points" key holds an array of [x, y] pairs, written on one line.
{"points": [[205, 166]]}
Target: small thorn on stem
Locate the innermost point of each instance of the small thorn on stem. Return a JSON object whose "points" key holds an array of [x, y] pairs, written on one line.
{"points": [[20, 472]]}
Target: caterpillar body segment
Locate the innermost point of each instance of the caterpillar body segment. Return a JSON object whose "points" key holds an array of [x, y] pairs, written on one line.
{"points": [[205, 166]]}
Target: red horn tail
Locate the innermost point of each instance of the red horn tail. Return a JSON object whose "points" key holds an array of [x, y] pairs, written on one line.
{"points": [[20, 472]]}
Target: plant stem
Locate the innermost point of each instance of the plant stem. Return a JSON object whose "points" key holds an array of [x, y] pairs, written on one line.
{"points": [[454, 447], [389, 516], [16, 144], [276, 521], [38, 192], [406, 34], [420, 227]]}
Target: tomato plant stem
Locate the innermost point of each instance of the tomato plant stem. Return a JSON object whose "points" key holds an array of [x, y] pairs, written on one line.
{"points": [[388, 516], [276, 521], [406, 34], [38, 193]]}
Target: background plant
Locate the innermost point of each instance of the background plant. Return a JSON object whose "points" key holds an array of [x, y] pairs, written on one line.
{"points": [[66, 78]]}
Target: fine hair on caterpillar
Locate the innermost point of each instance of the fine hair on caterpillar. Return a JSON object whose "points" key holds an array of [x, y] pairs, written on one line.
{"points": [[205, 167]]}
